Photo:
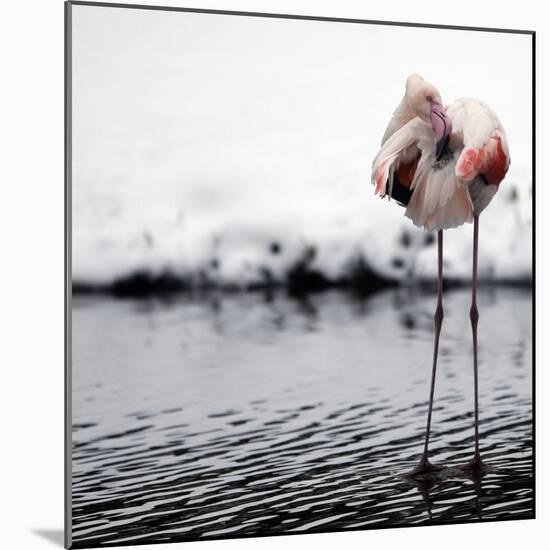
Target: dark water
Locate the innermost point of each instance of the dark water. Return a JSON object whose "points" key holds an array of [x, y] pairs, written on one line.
{"points": [[232, 415]]}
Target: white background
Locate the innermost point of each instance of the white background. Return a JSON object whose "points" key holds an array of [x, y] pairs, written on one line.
{"points": [[31, 282]]}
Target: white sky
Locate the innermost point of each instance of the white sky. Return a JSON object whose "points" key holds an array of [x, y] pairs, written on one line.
{"points": [[236, 78]]}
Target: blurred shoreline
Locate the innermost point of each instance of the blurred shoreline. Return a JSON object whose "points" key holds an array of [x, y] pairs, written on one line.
{"points": [[299, 282]]}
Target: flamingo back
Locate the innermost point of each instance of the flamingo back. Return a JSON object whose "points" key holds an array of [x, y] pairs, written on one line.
{"points": [[478, 132]]}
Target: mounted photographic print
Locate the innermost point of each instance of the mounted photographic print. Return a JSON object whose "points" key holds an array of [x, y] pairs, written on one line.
{"points": [[299, 274]]}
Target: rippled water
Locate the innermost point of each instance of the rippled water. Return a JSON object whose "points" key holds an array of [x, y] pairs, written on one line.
{"points": [[235, 414]]}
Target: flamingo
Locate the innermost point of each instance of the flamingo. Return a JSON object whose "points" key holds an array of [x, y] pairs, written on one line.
{"points": [[444, 164]]}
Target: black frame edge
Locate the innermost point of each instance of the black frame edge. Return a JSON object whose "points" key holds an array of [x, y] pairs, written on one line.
{"points": [[67, 279], [533, 261], [297, 16]]}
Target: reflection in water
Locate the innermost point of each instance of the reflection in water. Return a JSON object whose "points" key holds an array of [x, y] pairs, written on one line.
{"points": [[227, 415], [431, 487]]}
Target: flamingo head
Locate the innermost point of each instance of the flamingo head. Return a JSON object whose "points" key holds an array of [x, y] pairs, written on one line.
{"points": [[424, 100]]}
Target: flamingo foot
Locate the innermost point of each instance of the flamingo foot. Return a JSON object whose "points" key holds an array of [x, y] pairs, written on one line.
{"points": [[476, 465], [424, 467]]}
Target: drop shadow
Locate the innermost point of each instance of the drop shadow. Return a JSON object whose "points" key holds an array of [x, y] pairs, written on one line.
{"points": [[56, 536]]}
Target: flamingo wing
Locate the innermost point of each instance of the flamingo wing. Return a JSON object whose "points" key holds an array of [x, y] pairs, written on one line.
{"points": [[437, 198], [397, 160], [485, 147]]}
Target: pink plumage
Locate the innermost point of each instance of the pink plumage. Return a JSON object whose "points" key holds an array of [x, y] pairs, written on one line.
{"points": [[449, 187]]}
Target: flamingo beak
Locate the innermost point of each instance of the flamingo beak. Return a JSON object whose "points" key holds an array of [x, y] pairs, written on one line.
{"points": [[442, 127]]}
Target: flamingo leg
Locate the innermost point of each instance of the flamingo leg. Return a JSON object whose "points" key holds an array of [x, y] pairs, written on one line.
{"points": [[476, 462], [424, 465]]}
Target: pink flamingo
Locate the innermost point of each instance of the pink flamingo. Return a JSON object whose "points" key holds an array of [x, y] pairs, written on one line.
{"points": [[445, 165]]}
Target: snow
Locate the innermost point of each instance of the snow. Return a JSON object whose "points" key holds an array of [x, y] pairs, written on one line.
{"points": [[230, 149]]}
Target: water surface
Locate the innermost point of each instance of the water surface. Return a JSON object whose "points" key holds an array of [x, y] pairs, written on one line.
{"points": [[240, 414]]}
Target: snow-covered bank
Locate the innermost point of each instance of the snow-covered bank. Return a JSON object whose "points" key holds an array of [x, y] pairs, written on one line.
{"points": [[246, 230], [348, 246]]}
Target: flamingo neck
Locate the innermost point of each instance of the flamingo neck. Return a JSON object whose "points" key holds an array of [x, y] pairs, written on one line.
{"points": [[402, 114]]}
